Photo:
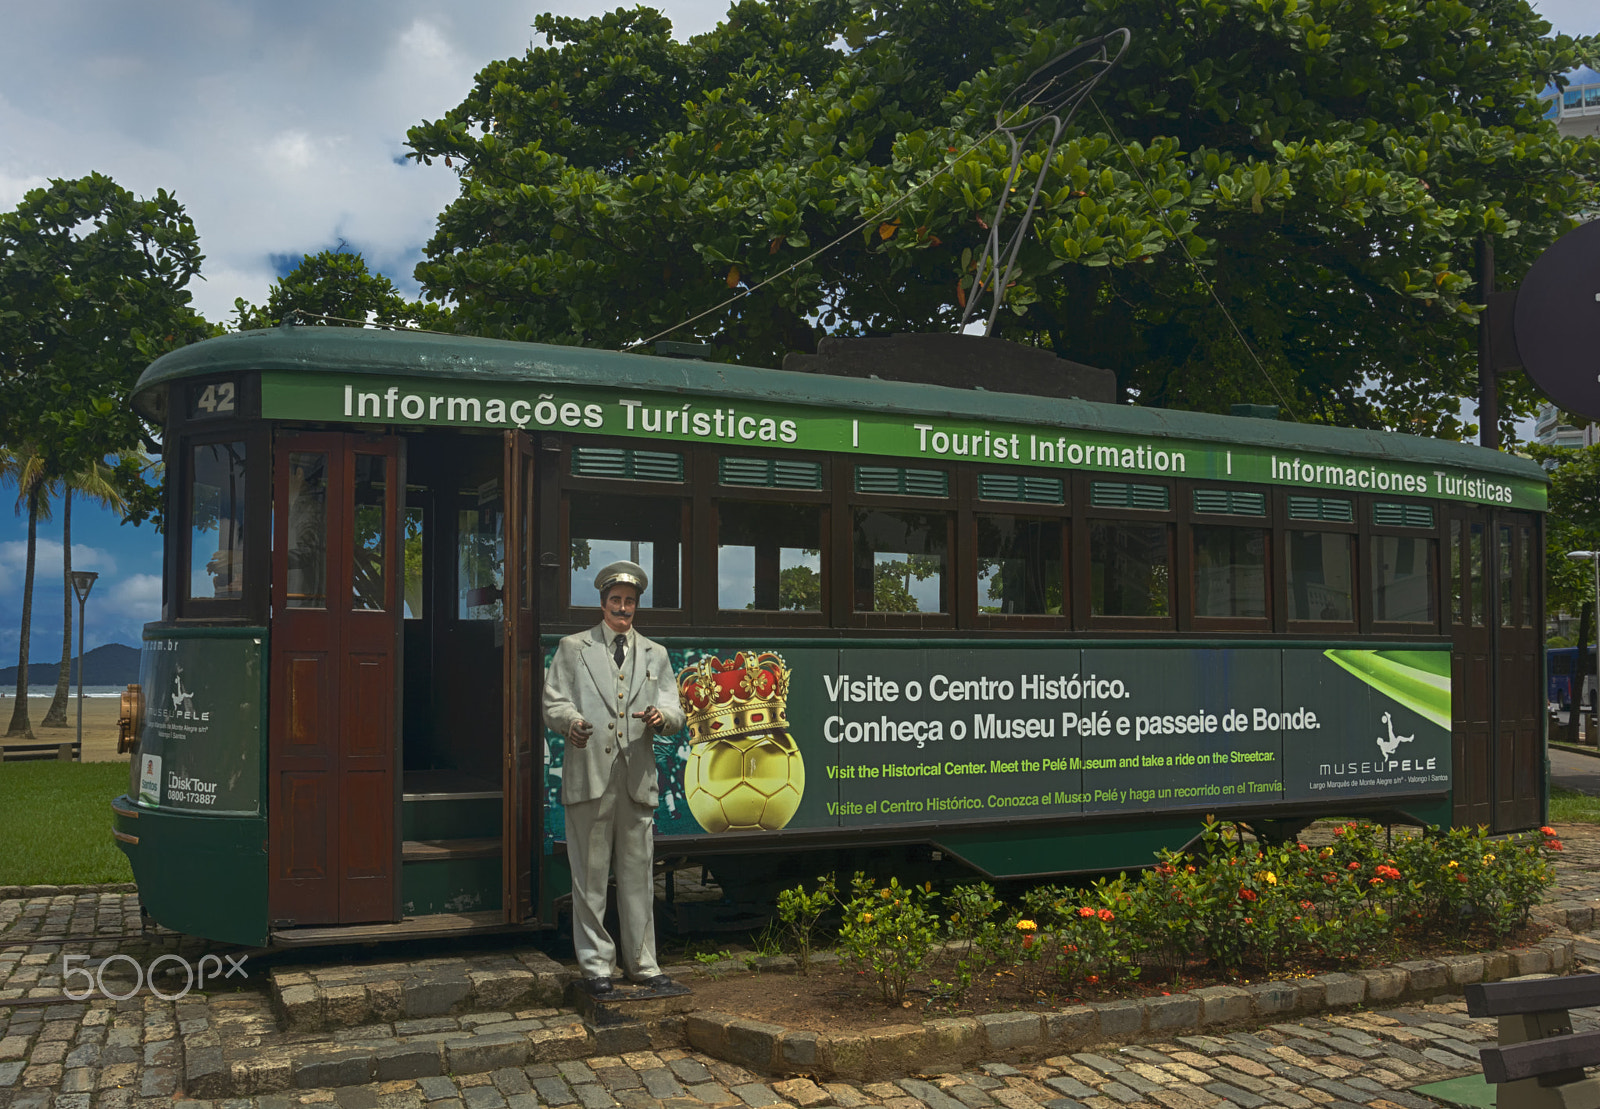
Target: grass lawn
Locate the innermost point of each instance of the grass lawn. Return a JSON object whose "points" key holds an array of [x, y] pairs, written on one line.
{"points": [[55, 823], [1568, 806]]}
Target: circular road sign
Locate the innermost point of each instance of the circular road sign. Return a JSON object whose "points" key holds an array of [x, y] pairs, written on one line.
{"points": [[1558, 321]]}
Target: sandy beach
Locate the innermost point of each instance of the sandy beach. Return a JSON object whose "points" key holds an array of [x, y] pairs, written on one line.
{"points": [[99, 725]]}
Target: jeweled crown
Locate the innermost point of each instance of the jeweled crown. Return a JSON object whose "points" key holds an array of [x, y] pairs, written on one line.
{"points": [[745, 695]]}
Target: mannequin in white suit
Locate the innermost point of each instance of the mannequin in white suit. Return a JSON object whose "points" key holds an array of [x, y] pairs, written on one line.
{"points": [[610, 691]]}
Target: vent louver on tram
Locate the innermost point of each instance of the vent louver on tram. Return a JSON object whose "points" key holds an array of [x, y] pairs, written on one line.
{"points": [[633, 465], [1017, 487], [769, 473], [901, 481], [1402, 516], [1333, 509], [1232, 502], [1127, 494]]}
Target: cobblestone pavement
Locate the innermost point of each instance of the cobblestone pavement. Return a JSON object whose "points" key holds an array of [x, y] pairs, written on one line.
{"points": [[120, 1054]]}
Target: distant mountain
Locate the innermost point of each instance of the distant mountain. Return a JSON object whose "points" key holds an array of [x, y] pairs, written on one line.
{"points": [[111, 664]]}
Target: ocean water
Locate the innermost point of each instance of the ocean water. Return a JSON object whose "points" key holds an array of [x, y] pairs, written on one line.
{"points": [[48, 691]]}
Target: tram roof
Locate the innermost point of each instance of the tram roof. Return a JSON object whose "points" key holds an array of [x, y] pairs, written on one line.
{"points": [[311, 350]]}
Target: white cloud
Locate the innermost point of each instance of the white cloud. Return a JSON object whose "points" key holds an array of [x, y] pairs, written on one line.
{"points": [[47, 559], [134, 600], [277, 125]]}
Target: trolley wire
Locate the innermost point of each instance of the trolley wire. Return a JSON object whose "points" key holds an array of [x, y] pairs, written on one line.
{"points": [[1172, 231], [876, 217]]}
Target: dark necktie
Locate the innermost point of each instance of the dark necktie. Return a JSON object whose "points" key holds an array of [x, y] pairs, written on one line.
{"points": [[621, 649]]}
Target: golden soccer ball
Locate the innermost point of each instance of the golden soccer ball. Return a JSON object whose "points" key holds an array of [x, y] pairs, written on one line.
{"points": [[750, 783]]}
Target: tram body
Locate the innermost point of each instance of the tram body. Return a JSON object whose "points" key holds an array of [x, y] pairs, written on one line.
{"points": [[990, 633]]}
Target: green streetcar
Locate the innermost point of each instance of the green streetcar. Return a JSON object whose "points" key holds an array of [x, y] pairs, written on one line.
{"points": [[937, 630]]}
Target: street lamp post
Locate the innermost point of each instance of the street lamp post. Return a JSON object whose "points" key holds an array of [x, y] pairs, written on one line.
{"points": [[82, 582], [1592, 557]]}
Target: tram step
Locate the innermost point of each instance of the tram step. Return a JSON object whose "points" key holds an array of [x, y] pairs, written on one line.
{"points": [[434, 850]]}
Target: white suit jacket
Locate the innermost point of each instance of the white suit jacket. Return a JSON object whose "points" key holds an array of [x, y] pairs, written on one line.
{"points": [[582, 685]]}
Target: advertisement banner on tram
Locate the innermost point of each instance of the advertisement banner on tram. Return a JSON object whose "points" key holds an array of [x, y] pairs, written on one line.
{"points": [[200, 750], [801, 736]]}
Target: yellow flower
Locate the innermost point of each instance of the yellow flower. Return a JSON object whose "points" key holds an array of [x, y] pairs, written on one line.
{"points": [[1270, 878], [1487, 859], [1451, 865], [1026, 926], [866, 918]]}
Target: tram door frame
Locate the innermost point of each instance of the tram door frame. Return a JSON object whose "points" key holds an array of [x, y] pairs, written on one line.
{"points": [[1492, 595], [521, 722], [334, 713]]}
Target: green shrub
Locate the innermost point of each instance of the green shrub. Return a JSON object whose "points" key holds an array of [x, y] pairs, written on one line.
{"points": [[799, 913], [889, 932]]}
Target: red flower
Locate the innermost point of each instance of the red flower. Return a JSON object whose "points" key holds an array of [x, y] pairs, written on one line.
{"points": [[1246, 894], [1085, 912], [1547, 831], [1462, 878], [1303, 847], [1107, 914], [1353, 866], [1374, 881], [1339, 831], [1248, 920], [1092, 979], [1027, 941], [1305, 904]]}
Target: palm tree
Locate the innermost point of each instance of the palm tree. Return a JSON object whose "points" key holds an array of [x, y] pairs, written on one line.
{"points": [[93, 482], [26, 467]]}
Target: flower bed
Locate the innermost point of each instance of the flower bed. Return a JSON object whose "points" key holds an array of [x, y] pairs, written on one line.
{"points": [[1228, 908]]}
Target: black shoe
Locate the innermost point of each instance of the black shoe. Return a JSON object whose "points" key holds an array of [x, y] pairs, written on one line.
{"points": [[657, 982], [597, 987]]}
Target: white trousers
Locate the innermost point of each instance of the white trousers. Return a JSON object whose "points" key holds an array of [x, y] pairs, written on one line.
{"points": [[613, 832]]}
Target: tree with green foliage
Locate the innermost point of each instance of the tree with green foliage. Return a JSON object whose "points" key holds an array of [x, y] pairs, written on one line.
{"points": [[1324, 170], [93, 287], [335, 287], [1573, 524]]}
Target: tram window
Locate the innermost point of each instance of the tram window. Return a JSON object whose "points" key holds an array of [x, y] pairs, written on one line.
{"points": [[411, 537], [480, 557], [1130, 568], [1321, 576], [1455, 572], [769, 556], [1230, 572], [1402, 579], [1527, 577], [647, 530], [900, 561], [307, 585], [216, 522], [1477, 597], [1019, 565], [1507, 579], [367, 553]]}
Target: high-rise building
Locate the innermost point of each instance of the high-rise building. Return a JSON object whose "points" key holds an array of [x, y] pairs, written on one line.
{"points": [[1576, 108]]}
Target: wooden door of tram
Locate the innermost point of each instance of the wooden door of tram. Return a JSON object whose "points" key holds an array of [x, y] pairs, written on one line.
{"points": [[332, 852], [1494, 614]]}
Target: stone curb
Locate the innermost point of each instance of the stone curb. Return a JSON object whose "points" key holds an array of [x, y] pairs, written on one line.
{"points": [[957, 1042], [941, 1044], [21, 893]]}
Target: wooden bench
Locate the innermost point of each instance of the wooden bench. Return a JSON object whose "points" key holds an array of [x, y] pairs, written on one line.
{"points": [[24, 752], [1539, 1061]]}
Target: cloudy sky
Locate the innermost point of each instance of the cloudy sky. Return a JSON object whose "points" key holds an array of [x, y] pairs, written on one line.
{"points": [[281, 127]]}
